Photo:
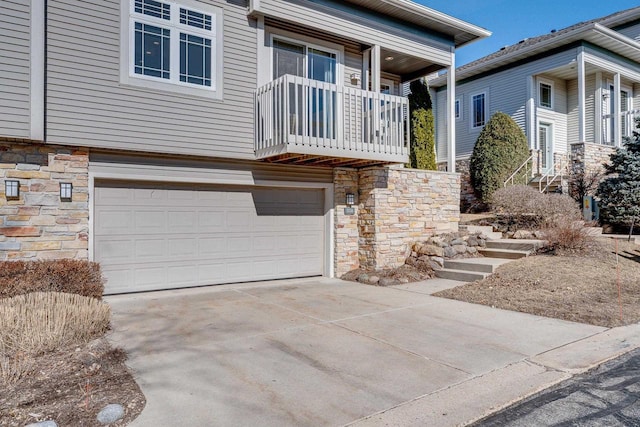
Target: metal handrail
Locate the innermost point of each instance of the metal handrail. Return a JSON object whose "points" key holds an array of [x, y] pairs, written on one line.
{"points": [[513, 175], [552, 180]]}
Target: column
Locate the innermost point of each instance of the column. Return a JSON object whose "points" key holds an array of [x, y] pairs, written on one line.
{"points": [[617, 113], [451, 114], [581, 97]]}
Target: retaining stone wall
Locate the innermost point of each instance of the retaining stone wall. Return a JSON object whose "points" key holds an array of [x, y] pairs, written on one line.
{"points": [[587, 157], [345, 226], [38, 225]]}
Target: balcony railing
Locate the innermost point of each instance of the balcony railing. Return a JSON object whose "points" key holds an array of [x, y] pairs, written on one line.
{"points": [[295, 115], [627, 125]]}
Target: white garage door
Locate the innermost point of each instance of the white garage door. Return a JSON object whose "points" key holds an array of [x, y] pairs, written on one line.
{"points": [[163, 236]]}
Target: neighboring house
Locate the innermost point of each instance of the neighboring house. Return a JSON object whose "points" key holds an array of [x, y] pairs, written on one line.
{"points": [[184, 143], [575, 92]]}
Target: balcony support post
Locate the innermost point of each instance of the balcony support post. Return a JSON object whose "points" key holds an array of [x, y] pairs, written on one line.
{"points": [[451, 114], [617, 113], [582, 126], [598, 109], [375, 69]]}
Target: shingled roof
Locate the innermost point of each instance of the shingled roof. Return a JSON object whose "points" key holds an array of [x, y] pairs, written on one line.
{"points": [[613, 20]]}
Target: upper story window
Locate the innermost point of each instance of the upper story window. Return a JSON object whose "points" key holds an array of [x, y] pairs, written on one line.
{"points": [[478, 110], [545, 94], [458, 108], [173, 46]]}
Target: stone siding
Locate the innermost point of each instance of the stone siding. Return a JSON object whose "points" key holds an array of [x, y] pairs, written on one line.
{"points": [[39, 225], [346, 236], [587, 157], [401, 206]]}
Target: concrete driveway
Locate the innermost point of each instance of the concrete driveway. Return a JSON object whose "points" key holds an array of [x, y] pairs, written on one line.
{"points": [[327, 352]]}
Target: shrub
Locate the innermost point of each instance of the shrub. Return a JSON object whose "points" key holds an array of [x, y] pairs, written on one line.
{"points": [[70, 276], [565, 234], [525, 207], [620, 193], [423, 142], [500, 149], [40, 322]]}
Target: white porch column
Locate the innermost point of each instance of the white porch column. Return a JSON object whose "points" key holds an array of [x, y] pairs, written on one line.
{"points": [[531, 112], [366, 67], [617, 113], [582, 126], [451, 114], [598, 109], [375, 68]]}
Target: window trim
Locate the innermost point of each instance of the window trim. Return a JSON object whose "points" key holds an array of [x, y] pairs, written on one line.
{"points": [[127, 40], [309, 42], [472, 125], [551, 85], [460, 115]]}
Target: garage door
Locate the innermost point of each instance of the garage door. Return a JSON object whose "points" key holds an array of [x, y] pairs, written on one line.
{"points": [[150, 237]]}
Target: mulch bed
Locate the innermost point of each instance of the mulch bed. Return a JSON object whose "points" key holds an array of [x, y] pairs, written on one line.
{"points": [[71, 386]]}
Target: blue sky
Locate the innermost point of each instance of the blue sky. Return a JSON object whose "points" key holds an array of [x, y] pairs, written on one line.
{"points": [[513, 20]]}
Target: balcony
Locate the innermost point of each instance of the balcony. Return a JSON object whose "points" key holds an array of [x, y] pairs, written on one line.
{"points": [[627, 126], [304, 121]]}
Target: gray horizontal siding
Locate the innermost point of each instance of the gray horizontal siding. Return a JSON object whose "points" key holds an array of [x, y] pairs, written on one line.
{"points": [[87, 105], [15, 86], [506, 91], [631, 32]]}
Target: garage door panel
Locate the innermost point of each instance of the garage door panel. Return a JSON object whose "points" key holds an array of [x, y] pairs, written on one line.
{"points": [[164, 236]]}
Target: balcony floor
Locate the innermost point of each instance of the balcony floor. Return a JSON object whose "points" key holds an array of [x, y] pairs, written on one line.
{"points": [[326, 161]]}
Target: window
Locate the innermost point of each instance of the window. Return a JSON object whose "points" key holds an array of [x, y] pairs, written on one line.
{"points": [[302, 60], [172, 46], [478, 110], [545, 94], [458, 109]]}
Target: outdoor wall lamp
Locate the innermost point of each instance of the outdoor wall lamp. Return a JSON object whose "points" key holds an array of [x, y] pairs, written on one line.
{"points": [[66, 191], [12, 189], [351, 199]]}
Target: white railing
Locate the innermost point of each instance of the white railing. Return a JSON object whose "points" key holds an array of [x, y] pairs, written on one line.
{"points": [[627, 125], [299, 115], [518, 172], [555, 173]]}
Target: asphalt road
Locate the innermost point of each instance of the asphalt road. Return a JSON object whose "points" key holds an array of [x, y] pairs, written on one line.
{"points": [[606, 396]]}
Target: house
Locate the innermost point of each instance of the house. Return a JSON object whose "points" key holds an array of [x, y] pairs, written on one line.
{"points": [[184, 143], [575, 93]]}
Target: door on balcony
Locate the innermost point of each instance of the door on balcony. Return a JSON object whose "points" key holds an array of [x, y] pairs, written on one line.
{"points": [[545, 144], [312, 102], [626, 118]]}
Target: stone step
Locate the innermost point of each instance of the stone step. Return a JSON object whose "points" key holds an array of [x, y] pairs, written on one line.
{"points": [[503, 253], [594, 231], [515, 244], [460, 275], [487, 230], [480, 265]]}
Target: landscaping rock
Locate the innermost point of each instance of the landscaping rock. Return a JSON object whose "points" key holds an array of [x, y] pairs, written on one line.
{"points": [[430, 250], [523, 234], [450, 252], [363, 278], [461, 249], [458, 242], [403, 280], [110, 413], [373, 280], [43, 424], [472, 250], [387, 281], [439, 261], [472, 241], [539, 234]]}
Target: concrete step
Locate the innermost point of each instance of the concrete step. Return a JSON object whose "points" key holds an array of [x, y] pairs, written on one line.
{"points": [[594, 231], [487, 230], [460, 275], [515, 244], [503, 253], [480, 265]]}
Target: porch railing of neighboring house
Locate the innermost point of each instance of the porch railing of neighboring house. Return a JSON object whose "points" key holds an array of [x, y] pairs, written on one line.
{"points": [[627, 125], [313, 117], [524, 170]]}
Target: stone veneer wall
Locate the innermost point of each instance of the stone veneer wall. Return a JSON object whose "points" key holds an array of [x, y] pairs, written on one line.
{"points": [[400, 206], [590, 157], [345, 226], [38, 225], [468, 199]]}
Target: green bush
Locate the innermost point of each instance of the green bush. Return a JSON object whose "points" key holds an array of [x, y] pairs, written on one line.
{"points": [[423, 141], [620, 193], [500, 149], [66, 275]]}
